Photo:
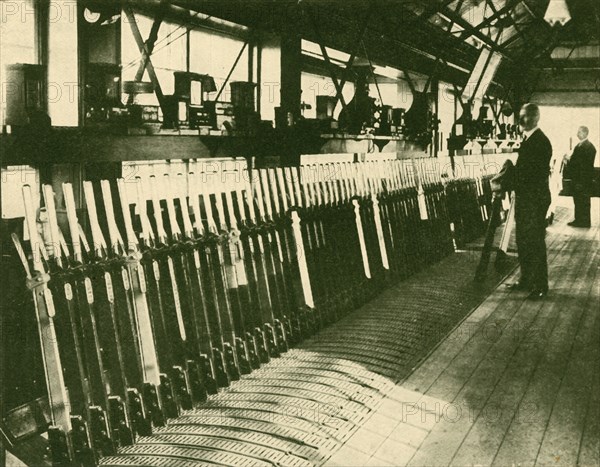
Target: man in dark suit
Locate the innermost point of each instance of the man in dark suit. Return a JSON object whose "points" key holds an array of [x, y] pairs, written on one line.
{"points": [[580, 170], [532, 199]]}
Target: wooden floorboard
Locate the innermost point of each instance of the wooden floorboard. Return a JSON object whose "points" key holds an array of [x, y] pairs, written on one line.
{"points": [[480, 368], [517, 383], [530, 342], [561, 442], [589, 448], [525, 434]]}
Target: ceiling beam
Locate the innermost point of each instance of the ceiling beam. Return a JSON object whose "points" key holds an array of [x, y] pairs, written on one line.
{"points": [[473, 31], [338, 86], [390, 43], [507, 9], [431, 10]]}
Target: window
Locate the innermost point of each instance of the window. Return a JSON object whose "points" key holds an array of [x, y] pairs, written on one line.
{"points": [[18, 39], [169, 54], [62, 65], [18, 36], [214, 54], [446, 104], [210, 52], [314, 85]]}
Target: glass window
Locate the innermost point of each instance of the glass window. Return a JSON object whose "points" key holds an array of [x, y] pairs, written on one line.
{"points": [[169, 54], [561, 124], [314, 85], [270, 94], [211, 53], [63, 69], [446, 110], [389, 94], [18, 32], [214, 53], [18, 39]]}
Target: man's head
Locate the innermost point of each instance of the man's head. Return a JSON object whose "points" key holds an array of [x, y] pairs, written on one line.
{"points": [[529, 116], [582, 132]]}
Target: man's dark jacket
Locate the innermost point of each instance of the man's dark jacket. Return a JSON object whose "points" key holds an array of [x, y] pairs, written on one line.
{"points": [[532, 200], [533, 169], [580, 168]]}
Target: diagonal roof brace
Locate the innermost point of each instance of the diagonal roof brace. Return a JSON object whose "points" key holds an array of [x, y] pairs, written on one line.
{"points": [[498, 14], [143, 47], [473, 31], [336, 83]]}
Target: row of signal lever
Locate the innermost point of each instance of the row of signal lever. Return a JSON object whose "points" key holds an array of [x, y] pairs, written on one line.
{"points": [[214, 276]]}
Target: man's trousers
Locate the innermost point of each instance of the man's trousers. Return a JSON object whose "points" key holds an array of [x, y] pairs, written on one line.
{"points": [[582, 208], [530, 220]]}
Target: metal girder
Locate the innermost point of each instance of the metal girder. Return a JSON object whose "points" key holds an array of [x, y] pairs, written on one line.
{"points": [[237, 59], [420, 36], [411, 83], [372, 70], [145, 52], [546, 53], [434, 8], [552, 42], [520, 32], [406, 36], [473, 31], [527, 63], [336, 83], [151, 41], [513, 39], [427, 39], [510, 5], [487, 63], [501, 100], [495, 112], [354, 53], [456, 10], [192, 17], [458, 95]]}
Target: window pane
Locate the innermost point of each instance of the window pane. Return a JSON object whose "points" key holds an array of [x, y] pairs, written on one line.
{"points": [[169, 54], [316, 85], [17, 39], [63, 69], [17, 32], [214, 54]]}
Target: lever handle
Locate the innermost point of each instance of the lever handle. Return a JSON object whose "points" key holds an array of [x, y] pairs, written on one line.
{"points": [[73, 222]]}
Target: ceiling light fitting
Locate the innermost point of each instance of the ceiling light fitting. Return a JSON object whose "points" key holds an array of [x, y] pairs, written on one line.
{"points": [[557, 13]]}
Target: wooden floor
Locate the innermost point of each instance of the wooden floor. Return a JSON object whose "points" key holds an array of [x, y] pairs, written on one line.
{"points": [[517, 383]]}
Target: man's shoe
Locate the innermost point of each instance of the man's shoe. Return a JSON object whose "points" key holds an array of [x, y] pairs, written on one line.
{"points": [[518, 286], [537, 294], [579, 224]]}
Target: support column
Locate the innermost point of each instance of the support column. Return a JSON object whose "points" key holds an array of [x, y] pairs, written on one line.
{"points": [[291, 69], [435, 91]]}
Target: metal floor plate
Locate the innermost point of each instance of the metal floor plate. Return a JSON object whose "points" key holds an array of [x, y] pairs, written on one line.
{"points": [[188, 433], [299, 409]]}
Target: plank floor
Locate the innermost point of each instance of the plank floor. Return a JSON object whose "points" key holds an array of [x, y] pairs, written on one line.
{"points": [[517, 383]]}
